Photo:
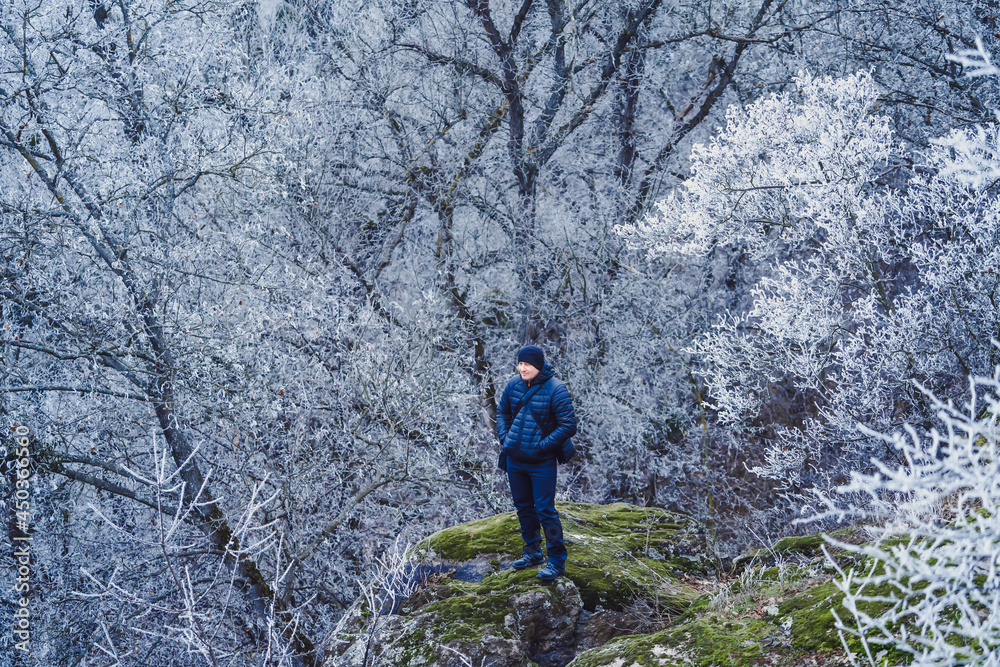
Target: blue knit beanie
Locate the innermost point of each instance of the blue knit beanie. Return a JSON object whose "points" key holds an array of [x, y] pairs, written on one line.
{"points": [[533, 355]]}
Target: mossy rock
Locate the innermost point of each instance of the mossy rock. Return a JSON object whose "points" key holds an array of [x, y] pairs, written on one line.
{"points": [[795, 548], [628, 570], [800, 630], [705, 641], [808, 545], [617, 553], [778, 615], [810, 615]]}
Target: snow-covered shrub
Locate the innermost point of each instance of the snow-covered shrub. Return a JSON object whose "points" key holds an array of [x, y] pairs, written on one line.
{"points": [[931, 586]]}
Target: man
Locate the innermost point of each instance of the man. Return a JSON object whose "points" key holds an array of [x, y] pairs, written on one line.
{"points": [[535, 421]]}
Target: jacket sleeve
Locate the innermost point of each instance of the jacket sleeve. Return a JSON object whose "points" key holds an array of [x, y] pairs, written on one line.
{"points": [[565, 418], [503, 415]]}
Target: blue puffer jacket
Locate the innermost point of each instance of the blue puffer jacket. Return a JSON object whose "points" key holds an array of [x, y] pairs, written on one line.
{"points": [[549, 411]]}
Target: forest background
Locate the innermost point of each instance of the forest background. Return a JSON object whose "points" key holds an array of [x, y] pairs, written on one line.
{"points": [[266, 264]]}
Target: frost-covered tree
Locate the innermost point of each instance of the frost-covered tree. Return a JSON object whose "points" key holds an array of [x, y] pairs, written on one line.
{"points": [[868, 272], [226, 429], [928, 588]]}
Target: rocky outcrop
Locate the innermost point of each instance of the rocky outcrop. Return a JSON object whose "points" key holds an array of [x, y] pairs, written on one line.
{"points": [[640, 589]]}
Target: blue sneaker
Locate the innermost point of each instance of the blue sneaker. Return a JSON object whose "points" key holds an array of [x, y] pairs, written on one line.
{"points": [[527, 560], [550, 572]]}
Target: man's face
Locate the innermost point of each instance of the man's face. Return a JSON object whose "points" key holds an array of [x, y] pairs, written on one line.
{"points": [[527, 371]]}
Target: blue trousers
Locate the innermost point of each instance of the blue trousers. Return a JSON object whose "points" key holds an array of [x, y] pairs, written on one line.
{"points": [[533, 488]]}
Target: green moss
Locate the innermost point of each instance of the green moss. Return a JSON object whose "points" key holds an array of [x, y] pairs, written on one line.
{"points": [[771, 574], [808, 545], [707, 641], [770, 620], [812, 620], [781, 577], [464, 617], [701, 605], [618, 554], [499, 586], [778, 611], [456, 611], [498, 534], [813, 626], [794, 549]]}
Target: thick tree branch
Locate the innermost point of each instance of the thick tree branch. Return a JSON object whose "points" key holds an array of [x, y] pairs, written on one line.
{"points": [[612, 63], [461, 65], [111, 487], [725, 78], [522, 13], [76, 390]]}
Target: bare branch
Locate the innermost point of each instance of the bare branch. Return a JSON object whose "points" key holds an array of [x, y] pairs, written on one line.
{"points": [[460, 64], [77, 390]]}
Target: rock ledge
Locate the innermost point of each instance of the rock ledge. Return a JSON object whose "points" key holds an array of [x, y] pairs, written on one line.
{"points": [[640, 589]]}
